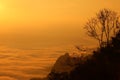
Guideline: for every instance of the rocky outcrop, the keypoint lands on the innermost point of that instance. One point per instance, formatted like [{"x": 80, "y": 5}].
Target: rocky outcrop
[
  {"x": 104, "y": 64},
  {"x": 63, "y": 66}
]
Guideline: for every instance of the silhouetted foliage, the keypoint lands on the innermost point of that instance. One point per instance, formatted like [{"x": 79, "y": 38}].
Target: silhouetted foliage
[
  {"x": 103, "y": 26},
  {"x": 103, "y": 65}
]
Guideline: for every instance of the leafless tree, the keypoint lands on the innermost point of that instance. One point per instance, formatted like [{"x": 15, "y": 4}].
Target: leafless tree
[{"x": 103, "y": 26}]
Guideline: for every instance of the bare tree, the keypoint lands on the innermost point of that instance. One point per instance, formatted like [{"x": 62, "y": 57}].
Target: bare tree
[{"x": 103, "y": 26}]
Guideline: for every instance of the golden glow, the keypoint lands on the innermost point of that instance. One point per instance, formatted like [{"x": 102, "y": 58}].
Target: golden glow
[
  {"x": 34, "y": 33},
  {"x": 1, "y": 7},
  {"x": 2, "y": 11},
  {"x": 47, "y": 21}
]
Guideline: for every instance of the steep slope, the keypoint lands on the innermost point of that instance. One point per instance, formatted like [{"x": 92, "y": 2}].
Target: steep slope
[{"x": 104, "y": 64}]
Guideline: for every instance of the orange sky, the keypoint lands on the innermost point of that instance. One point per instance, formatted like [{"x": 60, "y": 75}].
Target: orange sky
[{"x": 47, "y": 22}]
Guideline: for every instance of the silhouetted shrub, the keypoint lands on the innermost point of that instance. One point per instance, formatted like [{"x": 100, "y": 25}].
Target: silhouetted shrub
[{"x": 103, "y": 65}]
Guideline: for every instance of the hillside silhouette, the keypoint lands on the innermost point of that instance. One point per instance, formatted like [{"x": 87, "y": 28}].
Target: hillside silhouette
[{"x": 104, "y": 64}]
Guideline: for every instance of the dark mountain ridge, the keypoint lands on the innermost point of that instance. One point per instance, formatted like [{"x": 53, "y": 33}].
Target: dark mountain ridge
[{"x": 103, "y": 64}]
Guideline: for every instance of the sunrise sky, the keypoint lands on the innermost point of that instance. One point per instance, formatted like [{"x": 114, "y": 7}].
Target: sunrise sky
[{"x": 36, "y": 23}]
